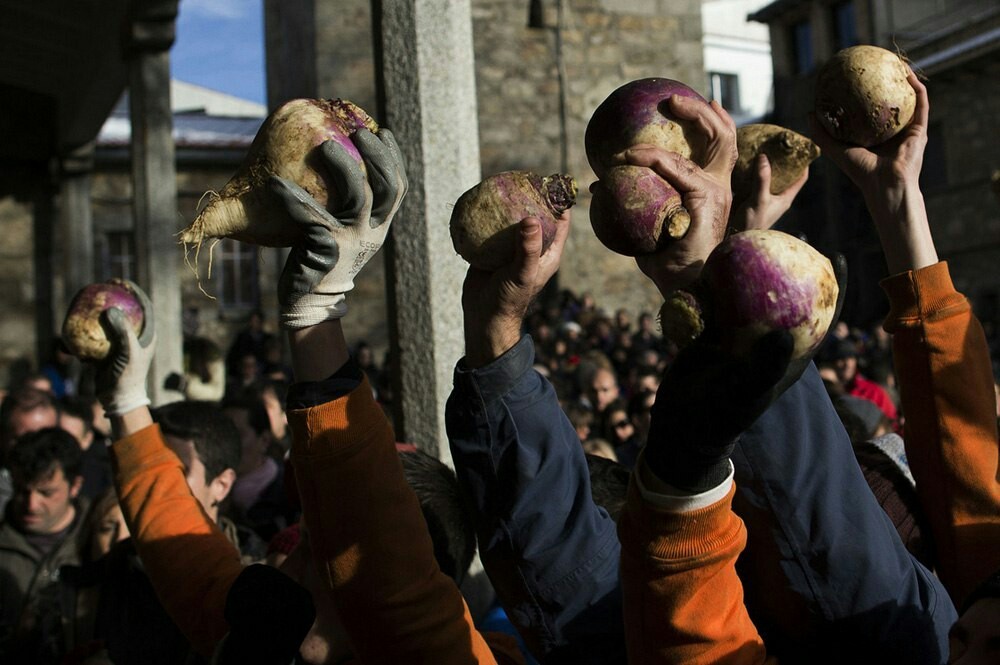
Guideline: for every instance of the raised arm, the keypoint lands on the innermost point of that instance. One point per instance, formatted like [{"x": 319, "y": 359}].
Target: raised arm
[
  {"x": 811, "y": 579},
  {"x": 190, "y": 563},
  {"x": 550, "y": 552},
  {"x": 366, "y": 530},
  {"x": 942, "y": 360}
]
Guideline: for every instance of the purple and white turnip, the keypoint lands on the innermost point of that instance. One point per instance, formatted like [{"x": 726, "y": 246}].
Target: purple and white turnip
[
  {"x": 634, "y": 210},
  {"x": 485, "y": 219},
  {"x": 752, "y": 284},
  {"x": 83, "y": 331},
  {"x": 285, "y": 146},
  {"x": 863, "y": 96}
]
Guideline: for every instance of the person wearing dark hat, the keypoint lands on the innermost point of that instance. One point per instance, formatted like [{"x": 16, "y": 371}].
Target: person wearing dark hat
[{"x": 840, "y": 357}]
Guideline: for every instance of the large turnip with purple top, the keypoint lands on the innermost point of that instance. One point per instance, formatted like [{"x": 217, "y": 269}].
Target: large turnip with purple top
[
  {"x": 285, "y": 146},
  {"x": 755, "y": 283},
  {"x": 83, "y": 331},
  {"x": 485, "y": 219},
  {"x": 634, "y": 210}
]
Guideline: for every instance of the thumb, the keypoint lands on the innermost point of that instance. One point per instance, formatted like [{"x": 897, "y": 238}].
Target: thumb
[
  {"x": 763, "y": 176},
  {"x": 529, "y": 249},
  {"x": 116, "y": 327}
]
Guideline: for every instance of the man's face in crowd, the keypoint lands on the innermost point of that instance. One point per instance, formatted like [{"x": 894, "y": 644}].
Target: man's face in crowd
[
  {"x": 31, "y": 420},
  {"x": 253, "y": 445},
  {"x": 846, "y": 368},
  {"x": 44, "y": 505},
  {"x": 209, "y": 493},
  {"x": 975, "y": 637},
  {"x": 604, "y": 389},
  {"x": 78, "y": 429}
]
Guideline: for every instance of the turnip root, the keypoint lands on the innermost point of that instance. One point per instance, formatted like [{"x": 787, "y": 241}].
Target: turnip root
[
  {"x": 83, "y": 331},
  {"x": 788, "y": 152},
  {"x": 863, "y": 97},
  {"x": 485, "y": 219},
  {"x": 633, "y": 206},
  {"x": 755, "y": 283},
  {"x": 285, "y": 146}
]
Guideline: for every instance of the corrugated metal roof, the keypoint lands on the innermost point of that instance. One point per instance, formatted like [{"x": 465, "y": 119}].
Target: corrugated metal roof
[{"x": 191, "y": 130}]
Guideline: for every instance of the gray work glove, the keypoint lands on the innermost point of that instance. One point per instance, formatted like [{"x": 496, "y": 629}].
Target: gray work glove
[
  {"x": 320, "y": 270},
  {"x": 121, "y": 377}
]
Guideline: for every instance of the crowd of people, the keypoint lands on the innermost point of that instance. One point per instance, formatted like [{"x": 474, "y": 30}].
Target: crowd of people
[{"x": 630, "y": 501}]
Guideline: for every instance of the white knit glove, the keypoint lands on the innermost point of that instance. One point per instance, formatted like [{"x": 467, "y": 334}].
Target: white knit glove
[
  {"x": 320, "y": 270},
  {"x": 121, "y": 377}
]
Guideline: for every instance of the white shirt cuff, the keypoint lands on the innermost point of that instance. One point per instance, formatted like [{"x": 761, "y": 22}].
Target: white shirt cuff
[{"x": 679, "y": 501}]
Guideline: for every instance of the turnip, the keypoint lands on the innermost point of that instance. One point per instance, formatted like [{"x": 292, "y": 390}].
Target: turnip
[
  {"x": 863, "y": 97},
  {"x": 485, "y": 218},
  {"x": 633, "y": 207},
  {"x": 788, "y": 152},
  {"x": 754, "y": 283},
  {"x": 630, "y": 207},
  {"x": 83, "y": 331},
  {"x": 285, "y": 146}
]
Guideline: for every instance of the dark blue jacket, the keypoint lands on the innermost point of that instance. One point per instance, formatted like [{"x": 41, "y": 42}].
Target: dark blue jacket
[{"x": 826, "y": 577}]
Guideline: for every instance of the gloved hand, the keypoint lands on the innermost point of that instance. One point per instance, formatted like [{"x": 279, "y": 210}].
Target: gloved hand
[
  {"x": 320, "y": 270},
  {"x": 121, "y": 377}
]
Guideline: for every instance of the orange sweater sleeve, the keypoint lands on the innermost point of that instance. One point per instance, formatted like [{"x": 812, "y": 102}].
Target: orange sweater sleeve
[
  {"x": 190, "y": 563},
  {"x": 945, "y": 380},
  {"x": 370, "y": 540},
  {"x": 683, "y": 602}
]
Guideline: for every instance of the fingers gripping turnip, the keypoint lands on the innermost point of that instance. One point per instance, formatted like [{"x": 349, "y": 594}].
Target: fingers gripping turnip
[
  {"x": 863, "y": 97},
  {"x": 286, "y": 146},
  {"x": 755, "y": 283},
  {"x": 789, "y": 154},
  {"x": 634, "y": 209},
  {"x": 484, "y": 222},
  {"x": 84, "y": 329}
]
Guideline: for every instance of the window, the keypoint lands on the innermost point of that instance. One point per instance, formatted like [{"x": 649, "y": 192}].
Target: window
[
  {"x": 845, "y": 32},
  {"x": 802, "y": 49},
  {"x": 115, "y": 255},
  {"x": 725, "y": 89},
  {"x": 237, "y": 266}
]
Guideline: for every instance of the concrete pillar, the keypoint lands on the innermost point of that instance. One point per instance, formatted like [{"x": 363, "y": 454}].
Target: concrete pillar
[
  {"x": 77, "y": 220},
  {"x": 154, "y": 183},
  {"x": 427, "y": 94},
  {"x": 290, "y": 39}
]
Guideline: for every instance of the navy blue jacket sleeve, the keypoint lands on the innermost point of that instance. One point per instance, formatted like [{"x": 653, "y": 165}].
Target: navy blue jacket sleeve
[
  {"x": 826, "y": 577},
  {"x": 550, "y": 552}
]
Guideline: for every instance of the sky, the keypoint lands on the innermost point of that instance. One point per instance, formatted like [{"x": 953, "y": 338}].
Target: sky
[{"x": 220, "y": 45}]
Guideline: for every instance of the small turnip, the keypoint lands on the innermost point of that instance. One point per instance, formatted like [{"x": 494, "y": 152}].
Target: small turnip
[
  {"x": 755, "y": 283},
  {"x": 634, "y": 209},
  {"x": 631, "y": 205},
  {"x": 788, "y": 152},
  {"x": 285, "y": 146},
  {"x": 83, "y": 331},
  {"x": 485, "y": 219},
  {"x": 863, "y": 97}
]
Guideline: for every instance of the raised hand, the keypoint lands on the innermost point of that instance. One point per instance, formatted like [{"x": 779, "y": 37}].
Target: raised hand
[
  {"x": 121, "y": 377},
  {"x": 705, "y": 191},
  {"x": 336, "y": 246},
  {"x": 763, "y": 209},
  {"x": 494, "y": 303},
  {"x": 888, "y": 176}
]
